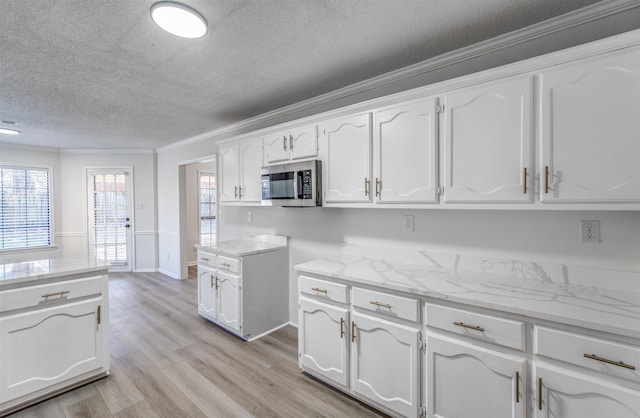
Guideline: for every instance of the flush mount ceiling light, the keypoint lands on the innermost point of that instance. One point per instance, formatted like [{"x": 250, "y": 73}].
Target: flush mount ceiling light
[
  {"x": 7, "y": 131},
  {"x": 179, "y": 19}
]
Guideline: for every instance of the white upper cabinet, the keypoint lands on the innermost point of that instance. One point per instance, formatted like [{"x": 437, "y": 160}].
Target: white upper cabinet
[
  {"x": 346, "y": 145},
  {"x": 488, "y": 143},
  {"x": 240, "y": 166},
  {"x": 590, "y": 130},
  {"x": 405, "y": 152},
  {"x": 293, "y": 144}
]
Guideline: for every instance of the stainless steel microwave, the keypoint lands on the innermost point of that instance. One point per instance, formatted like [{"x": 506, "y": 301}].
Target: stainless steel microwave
[{"x": 294, "y": 184}]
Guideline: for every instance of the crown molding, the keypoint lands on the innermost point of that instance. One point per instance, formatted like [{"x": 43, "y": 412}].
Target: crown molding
[
  {"x": 105, "y": 151},
  {"x": 559, "y": 23},
  {"x": 30, "y": 148}
]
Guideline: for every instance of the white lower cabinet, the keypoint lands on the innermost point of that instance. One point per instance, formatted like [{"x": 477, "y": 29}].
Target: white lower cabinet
[
  {"x": 229, "y": 300},
  {"x": 323, "y": 340},
  {"x": 465, "y": 381},
  {"x": 561, "y": 393},
  {"x": 385, "y": 363},
  {"x": 207, "y": 295}
]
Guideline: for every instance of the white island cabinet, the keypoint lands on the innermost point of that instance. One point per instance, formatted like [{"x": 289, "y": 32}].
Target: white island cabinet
[
  {"x": 243, "y": 285},
  {"x": 412, "y": 334},
  {"x": 53, "y": 328}
]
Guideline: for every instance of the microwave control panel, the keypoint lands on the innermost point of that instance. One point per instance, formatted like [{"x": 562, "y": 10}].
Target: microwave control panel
[{"x": 307, "y": 185}]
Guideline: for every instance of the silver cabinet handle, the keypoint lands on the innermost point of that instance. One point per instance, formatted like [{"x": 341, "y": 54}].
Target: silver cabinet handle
[
  {"x": 284, "y": 142},
  {"x": 317, "y": 289},
  {"x": 204, "y": 259},
  {"x": 366, "y": 186},
  {"x": 225, "y": 264},
  {"x": 473, "y": 327},
  {"x": 517, "y": 387},
  {"x": 539, "y": 394},
  {"x": 546, "y": 179},
  {"x": 524, "y": 189},
  {"x": 291, "y": 142},
  {"x": 604, "y": 360},
  {"x": 49, "y": 295},
  {"x": 378, "y": 187},
  {"x": 381, "y": 305}
]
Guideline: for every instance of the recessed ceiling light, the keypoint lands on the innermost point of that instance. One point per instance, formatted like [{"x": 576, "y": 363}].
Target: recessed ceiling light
[
  {"x": 7, "y": 131},
  {"x": 179, "y": 19}
]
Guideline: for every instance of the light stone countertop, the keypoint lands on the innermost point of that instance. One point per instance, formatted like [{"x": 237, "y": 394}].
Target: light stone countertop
[
  {"x": 565, "y": 301},
  {"x": 247, "y": 246},
  {"x": 33, "y": 272}
]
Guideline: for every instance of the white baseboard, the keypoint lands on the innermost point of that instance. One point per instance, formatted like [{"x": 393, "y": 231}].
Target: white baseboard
[
  {"x": 152, "y": 270},
  {"x": 169, "y": 273}
]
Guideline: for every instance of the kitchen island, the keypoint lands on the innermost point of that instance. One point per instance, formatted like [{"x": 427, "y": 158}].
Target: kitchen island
[
  {"x": 413, "y": 332},
  {"x": 53, "y": 328}
]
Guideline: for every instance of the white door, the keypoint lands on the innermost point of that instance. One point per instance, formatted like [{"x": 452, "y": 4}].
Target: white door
[
  {"x": 567, "y": 395},
  {"x": 347, "y": 159},
  {"x": 207, "y": 293},
  {"x": 229, "y": 173},
  {"x": 591, "y": 130},
  {"x": 251, "y": 155},
  {"x": 467, "y": 382},
  {"x": 488, "y": 143},
  {"x": 385, "y": 363},
  {"x": 109, "y": 217},
  {"x": 48, "y": 346},
  {"x": 276, "y": 147},
  {"x": 303, "y": 142},
  {"x": 405, "y": 153},
  {"x": 323, "y": 340},
  {"x": 229, "y": 305}
]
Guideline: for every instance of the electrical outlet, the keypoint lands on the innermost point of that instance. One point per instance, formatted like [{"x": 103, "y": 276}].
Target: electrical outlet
[
  {"x": 590, "y": 231},
  {"x": 249, "y": 216},
  {"x": 407, "y": 223}
]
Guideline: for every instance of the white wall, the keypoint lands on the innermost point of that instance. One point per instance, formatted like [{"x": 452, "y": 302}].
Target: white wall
[
  {"x": 545, "y": 236},
  {"x": 192, "y": 210},
  {"x": 73, "y": 206}
]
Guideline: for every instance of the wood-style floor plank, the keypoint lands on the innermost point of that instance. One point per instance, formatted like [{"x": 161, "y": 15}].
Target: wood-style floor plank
[{"x": 167, "y": 361}]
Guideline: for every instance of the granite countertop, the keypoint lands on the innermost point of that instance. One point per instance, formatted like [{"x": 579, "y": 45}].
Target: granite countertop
[
  {"x": 26, "y": 272},
  {"x": 540, "y": 297},
  {"x": 242, "y": 247}
]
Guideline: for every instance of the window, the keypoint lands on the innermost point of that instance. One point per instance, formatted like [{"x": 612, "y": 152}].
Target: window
[
  {"x": 25, "y": 220},
  {"x": 207, "y": 208}
]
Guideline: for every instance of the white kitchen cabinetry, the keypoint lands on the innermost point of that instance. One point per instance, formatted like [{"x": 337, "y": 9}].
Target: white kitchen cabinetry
[
  {"x": 53, "y": 330},
  {"x": 346, "y": 151},
  {"x": 488, "y": 143},
  {"x": 590, "y": 130},
  {"x": 323, "y": 341},
  {"x": 561, "y": 393},
  {"x": 466, "y": 381},
  {"x": 292, "y": 144},
  {"x": 404, "y": 152},
  {"x": 240, "y": 166},
  {"x": 245, "y": 294},
  {"x": 385, "y": 363}
]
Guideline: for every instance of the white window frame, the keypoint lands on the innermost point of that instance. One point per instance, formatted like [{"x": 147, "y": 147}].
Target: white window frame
[
  {"x": 52, "y": 233},
  {"x": 214, "y": 175}
]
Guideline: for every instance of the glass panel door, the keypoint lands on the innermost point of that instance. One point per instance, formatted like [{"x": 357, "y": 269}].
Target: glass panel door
[
  {"x": 109, "y": 217},
  {"x": 208, "y": 209}
]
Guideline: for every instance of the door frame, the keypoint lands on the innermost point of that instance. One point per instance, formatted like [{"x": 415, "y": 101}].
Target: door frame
[{"x": 131, "y": 244}]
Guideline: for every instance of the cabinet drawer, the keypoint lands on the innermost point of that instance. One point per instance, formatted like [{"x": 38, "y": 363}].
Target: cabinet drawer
[
  {"x": 593, "y": 353},
  {"x": 50, "y": 293},
  {"x": 389, "y": 305},
  {"x": 322, "y": 289},
  {"x": 505, "y": 332},
  {"x": 229, "y": 264},
  {"x": 206, "y": 259}
]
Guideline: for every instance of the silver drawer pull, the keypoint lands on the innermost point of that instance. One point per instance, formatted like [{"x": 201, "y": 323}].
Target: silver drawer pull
[
  {"x": 317, "y": 289},
  {"x": 225, "y": 264},
  {"x": 473, "y": 327},
  {"x": 49, "y": 295},
  {"x": 204, "y": 259},
  {"x": 615, "y": 363},
  {"x": 382, "y": 305}
]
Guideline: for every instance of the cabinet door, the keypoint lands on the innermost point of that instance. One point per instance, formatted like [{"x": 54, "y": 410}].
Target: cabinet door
[
  {"x": 465, "y": 381},
  {"x": 591, "y": 130},
  {"x": 251, "y": 154},
  {"x": 568, "y": 395},
  {"x": 229, "y": 173},
  {"x": 41, "y": 348},
  {"x": 276, "y": 147},
  {"x": 385, "y": 363},
  {"x": 487, "y": 143},
  {"x": 303, "y": 142},
  {"x": 229, "y": 305},
  {"x": 323, "y": 340},
  {"x": 405, "y": 153},
  {"x": 347, "y": 159},
  {"x": 207, "y": 292}
]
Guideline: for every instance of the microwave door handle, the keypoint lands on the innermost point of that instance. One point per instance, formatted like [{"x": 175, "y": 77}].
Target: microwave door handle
[{"x": 299, "y": 183}]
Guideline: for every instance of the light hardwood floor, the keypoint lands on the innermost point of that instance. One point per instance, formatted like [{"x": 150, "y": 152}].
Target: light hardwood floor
[{"x": 166, "y": 361}]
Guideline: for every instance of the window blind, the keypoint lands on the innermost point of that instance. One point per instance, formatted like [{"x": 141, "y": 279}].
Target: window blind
[{"x": 25, "y": 220}]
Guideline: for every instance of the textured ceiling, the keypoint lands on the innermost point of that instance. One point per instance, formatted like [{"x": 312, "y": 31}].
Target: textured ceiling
[{"x": 100, "y": 74}]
